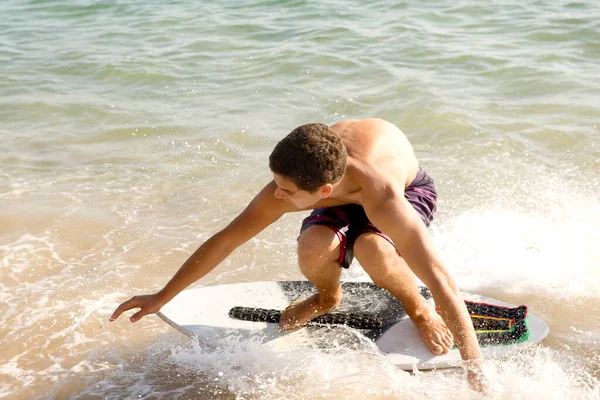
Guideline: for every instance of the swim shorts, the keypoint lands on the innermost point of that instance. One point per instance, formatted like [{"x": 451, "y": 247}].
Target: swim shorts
[{"x": 350, "y": 221}]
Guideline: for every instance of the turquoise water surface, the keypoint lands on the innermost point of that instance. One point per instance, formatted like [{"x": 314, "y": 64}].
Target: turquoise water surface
[{"x": 133, "y": 130}]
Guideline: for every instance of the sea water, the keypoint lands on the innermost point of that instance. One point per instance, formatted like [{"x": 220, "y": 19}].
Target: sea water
[{"x": 133, "y": 130}]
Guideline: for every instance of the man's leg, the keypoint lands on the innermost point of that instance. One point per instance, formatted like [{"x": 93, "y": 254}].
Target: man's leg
[
  {"x": 388, "y": 270},
  {"x": 318, "y": 254}
]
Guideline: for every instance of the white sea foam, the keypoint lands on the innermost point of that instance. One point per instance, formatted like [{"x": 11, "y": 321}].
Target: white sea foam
[
  {"x": 249, "y": 371},
  {"x": 550, "y": 249}
]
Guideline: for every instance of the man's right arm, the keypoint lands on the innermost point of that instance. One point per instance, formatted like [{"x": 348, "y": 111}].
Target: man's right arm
[{"x": 262, "y": 211}]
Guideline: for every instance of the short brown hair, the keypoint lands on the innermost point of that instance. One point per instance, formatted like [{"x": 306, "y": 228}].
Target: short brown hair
[{"x": 312, "y": 155}]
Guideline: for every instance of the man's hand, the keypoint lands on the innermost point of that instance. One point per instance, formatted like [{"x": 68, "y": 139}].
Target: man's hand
[
  {"x": 478, "y": 375},
  {"x": 148, "y": 304}
]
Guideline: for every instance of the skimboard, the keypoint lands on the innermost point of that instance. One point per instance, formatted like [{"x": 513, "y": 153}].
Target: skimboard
[{"x": 250, "y": 311}]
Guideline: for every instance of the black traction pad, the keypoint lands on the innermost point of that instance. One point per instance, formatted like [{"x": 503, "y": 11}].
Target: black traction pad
[
  {"x": 496, "y": 325},
  {"x": 358, "y": 321},
  {"x": 493, "y": 324}
]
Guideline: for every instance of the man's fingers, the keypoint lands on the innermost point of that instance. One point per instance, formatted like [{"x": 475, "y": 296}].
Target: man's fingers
[
  {"x": 147, "y": 304},
  {"x": 136, "y": 317},
  {"x": 128, "y": 305}
]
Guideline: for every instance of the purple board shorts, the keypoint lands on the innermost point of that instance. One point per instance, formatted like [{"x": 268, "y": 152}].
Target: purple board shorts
[{"x": 350, "y": 221}]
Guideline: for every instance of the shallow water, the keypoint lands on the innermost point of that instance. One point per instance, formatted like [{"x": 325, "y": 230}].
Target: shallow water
[{"x": 133, "y": 131}]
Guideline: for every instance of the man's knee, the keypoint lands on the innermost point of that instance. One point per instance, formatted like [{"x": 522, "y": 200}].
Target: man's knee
[
  {"x": 317, "y": 244},
  {"x": 370, "y": 245},
  {"x": 377, "y": 256}
]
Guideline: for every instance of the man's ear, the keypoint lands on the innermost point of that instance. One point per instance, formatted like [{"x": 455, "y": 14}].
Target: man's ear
[{"x": 325, "y": 190}]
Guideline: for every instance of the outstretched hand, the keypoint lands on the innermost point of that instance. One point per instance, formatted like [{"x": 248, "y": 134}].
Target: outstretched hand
[
  {"x": 482, "y": 376},
  {"x": 148, "y": 304}
]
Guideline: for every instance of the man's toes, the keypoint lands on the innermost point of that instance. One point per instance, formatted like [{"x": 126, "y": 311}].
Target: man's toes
[
  {"x": 288, "y": 325},
  {"x": 441, "y": 346},
  {"x": 448, "y": 342},
  {"x": 436, "y": 349}
]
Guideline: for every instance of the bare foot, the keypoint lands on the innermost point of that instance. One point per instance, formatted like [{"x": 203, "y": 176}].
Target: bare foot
[
  {"x": 434, "y": 332},
  {"x": 302, "y": 311}
]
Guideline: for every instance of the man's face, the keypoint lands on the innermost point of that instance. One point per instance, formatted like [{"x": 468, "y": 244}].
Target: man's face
[{"x": 288, "y": 191}]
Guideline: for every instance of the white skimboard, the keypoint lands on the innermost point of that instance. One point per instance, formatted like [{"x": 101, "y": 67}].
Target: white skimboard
[{"x": 241, "y": 312}]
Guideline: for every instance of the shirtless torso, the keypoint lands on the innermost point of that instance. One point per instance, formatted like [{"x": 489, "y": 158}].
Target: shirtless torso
[{"x": 379, "y": 156}]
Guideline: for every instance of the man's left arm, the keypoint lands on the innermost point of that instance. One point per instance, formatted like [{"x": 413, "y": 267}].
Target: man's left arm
[{"x": 389, "y": 211}]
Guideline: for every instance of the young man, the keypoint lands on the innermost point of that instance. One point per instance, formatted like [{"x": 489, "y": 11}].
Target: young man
[{"x": 370, "y": 200}]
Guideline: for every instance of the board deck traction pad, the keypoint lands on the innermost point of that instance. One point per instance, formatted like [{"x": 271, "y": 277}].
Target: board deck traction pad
[{"x": 494, "y": 325}]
